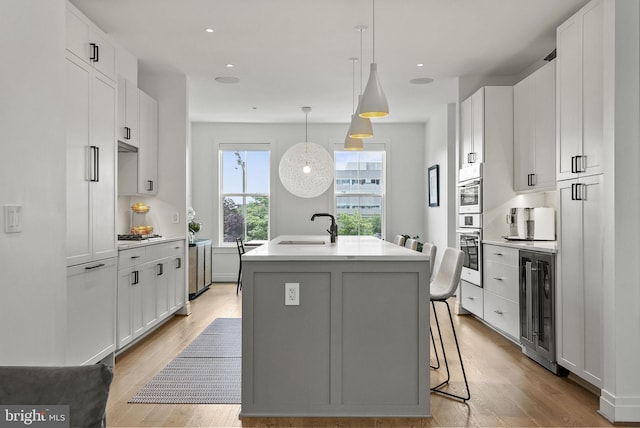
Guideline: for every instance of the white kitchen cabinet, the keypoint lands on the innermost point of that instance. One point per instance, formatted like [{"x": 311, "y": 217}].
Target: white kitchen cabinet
[
  {"x": 148, "y": 152},
  {"x": 472, "y": 129},
  {"x": 501, "y": 289},
  {"x": 534, "y": 144},
  {"x": 128, "y": 112},
  {"x": 580, "y": 90},
  {"x": 88, "y": 43},
  {"x": 580, "y": 287},
  {"x": 91, "y": 312},
  {"x": 90, "y": 106},
  {"x": 138, "y": 170},
  {"x": 471, "y": 298},
  {"x": 151, "y": 287}
]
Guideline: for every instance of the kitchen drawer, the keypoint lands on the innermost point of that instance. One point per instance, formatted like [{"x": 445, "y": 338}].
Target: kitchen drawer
[
  {"x": 502, "y": 314},
  {"x": 176, "y": 248},
  {"x": 131, "y": 257},
  {"x": 159, "y": 251},
  {"x": 471, "y": 298},
  {"x": 504, "y": 255},
  {"x": 501, "y": 279}
]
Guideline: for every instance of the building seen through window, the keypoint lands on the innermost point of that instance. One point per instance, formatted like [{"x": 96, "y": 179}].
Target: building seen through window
[{"x": 359, "y": 192}]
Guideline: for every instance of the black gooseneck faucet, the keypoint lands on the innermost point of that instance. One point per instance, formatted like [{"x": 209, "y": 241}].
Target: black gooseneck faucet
[{"x": 333, "y": 229}]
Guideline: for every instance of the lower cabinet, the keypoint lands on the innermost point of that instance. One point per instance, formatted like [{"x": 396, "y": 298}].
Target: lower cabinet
[
  {"x": 151, "y": 287},
  {"x": 472, "y": 298},
  {"x": 501, "y": 290},
  {"x": 91, "y": 311}
]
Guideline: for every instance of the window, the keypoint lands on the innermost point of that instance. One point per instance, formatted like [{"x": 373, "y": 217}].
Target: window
[
  {"x": 244, "y": 180},
  {"x": 359, "y": 192}
]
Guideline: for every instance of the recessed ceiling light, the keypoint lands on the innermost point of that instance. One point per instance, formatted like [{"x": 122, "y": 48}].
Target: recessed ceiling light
[
  {"x": 209, "y": 30},
  {"x": 421, "y": 80},
  {"x": 229, "y": 65},
  {"x": 227, "y": 79},
  {"x": 420, "y": 64}
]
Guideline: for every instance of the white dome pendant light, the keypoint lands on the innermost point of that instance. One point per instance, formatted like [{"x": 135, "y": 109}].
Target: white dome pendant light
[
  {"x": 360, "y": 126},
  {"x": 373, "y": 102},
  {"x": 306, "y": 169},
  {"x": 349, "y": 142}
]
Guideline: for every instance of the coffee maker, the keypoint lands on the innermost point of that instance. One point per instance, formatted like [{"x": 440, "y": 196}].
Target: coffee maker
[{"x": 531, "y": 224}]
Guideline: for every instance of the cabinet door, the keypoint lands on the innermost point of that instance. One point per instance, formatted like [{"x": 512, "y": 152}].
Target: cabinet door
[
  {"x": 580, "y": 277},
  {"x": 544, "y": 153},
  {"x": 149, "y": 314},
  {"x": 593, "y": 237},
  {"x": 569, "y": 96},
  {"x": 466, "y": 133},
  {"x": 580, "y": 86},
  {"x": 207, "y": 264},
  {"x": 91, "y": 311},
  {"x": 477, "y": 115},
  {"x": 148, "y": 153},
  {"x": 103, "y": 54},
  {"x": 523, "y": 133},
  {"x": 77, "y": 106},
  {"x": 570, "y": 275},
  {"x": 103, "y": 186},
  {"x": 128, "y": 279},
  {"x": 179, "y": 284},
  {"x": 162, "y": 278},
  {"x": 593, "y": 87},
  {"x": 128, "y": 112}
]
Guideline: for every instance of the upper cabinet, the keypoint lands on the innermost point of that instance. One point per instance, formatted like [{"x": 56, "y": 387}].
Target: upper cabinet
[
  {"x": 472, "y": 129},
  {"x": 89, "y": 43},
  {"x": 138, "y": 169},
  {"x": 534, "y": 132},
  {"x": 580, "y": 89},
  {"x": 128, "y": 112},
  {"x": 148, "y": 152}
]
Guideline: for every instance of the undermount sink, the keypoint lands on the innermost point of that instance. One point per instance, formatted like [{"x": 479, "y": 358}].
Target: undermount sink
[{"x": 307, "y": 242}]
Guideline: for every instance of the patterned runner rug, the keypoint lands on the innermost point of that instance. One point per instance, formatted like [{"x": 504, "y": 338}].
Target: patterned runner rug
[{"x": 208, "y": 371}]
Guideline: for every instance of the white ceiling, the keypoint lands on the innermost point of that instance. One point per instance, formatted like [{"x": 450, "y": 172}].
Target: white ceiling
[{"x": 293, "y": 53}]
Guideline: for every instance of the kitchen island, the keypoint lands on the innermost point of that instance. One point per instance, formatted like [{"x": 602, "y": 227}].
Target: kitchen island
[{"x": 357, "y": 341}]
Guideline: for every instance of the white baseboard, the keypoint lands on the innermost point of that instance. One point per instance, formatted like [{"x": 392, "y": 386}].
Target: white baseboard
[{"x": 619, "y": 409}]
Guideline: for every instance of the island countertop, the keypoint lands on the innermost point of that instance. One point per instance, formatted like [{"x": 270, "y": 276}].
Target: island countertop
[{"x": 307, "y": 247}]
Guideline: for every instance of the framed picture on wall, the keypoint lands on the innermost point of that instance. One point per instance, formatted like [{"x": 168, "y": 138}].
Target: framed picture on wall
[{"x": 433, "y": 179}]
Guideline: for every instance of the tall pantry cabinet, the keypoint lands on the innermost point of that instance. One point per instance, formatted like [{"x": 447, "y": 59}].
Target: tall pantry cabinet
[
  {"x": 91, "y": 94},
  {"x": 579, "y": 148}
]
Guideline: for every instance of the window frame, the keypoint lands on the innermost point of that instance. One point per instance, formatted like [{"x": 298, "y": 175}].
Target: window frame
[
  {"x": 368, "y": 147},
  {"x": 241, "y": 147}
]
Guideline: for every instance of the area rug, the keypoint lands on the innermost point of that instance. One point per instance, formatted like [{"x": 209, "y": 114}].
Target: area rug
[{"x": 207, "y": 371}]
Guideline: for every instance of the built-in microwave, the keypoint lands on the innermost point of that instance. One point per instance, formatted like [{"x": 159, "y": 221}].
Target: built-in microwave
[{"x": 470, "y": 197}]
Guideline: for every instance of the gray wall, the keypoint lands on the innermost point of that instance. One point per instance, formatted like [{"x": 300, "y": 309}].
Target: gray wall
[{"x": 406, "y": 179}]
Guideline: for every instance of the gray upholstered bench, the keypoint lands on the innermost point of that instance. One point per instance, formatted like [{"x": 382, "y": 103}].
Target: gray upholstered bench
[{"x": 84, "y": 389}]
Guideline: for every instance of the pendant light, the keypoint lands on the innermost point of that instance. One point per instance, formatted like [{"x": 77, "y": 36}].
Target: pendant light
[
  {"x": 360, "y": 126},
  {"x": 373, "y": 102},
  {"x": 306, "y": 169},
  {"x": 349, "y": 142}
]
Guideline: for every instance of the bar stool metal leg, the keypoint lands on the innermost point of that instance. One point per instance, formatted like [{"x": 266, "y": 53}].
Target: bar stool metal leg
[{"x": 444, "y": 356}]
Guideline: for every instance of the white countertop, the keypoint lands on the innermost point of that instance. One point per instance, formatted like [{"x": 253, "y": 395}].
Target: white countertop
[
  {"x": 125, "y": 245},
  {"x": 542, "y": 246},
  {"x": 365, "y": 248}
]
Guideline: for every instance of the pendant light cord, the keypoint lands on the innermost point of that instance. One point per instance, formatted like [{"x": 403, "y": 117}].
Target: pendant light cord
[
  {"x": 361, "y": 30},
  {"x": 374, "y": 30}
]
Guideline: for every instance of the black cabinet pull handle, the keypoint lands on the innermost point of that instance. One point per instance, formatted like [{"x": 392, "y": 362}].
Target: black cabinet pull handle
[
  {"x": 573, "y": 164},
  {"x": 97, "y": 55},
  {"x": 95, "y": 160},
  {"x": 178, "y": 263},
  {"x": 159, "y": 269},
  {"x": 135, "y": 257},
  {"x": 135, "y": 277},
  {"x": 531, "y": 179},
  {"x": 94, "y": 266},
  {"x": 573, "y": 192},
  {"x": 149, "y": 185},
  {"x": 92, "y": 54}
]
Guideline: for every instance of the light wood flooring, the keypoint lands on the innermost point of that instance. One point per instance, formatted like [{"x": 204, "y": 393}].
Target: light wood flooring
[{"x": 507, "y": 388}]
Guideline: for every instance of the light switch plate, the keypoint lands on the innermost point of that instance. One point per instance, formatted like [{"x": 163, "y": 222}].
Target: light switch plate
[{"x": 13, "y": 218}]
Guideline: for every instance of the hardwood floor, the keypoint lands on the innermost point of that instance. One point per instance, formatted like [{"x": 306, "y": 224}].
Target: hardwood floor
[{"x": 507, "y": 388}]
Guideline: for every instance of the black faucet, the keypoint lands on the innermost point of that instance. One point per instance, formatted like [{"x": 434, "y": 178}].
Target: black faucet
[{"x": 333, "y": 229}]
